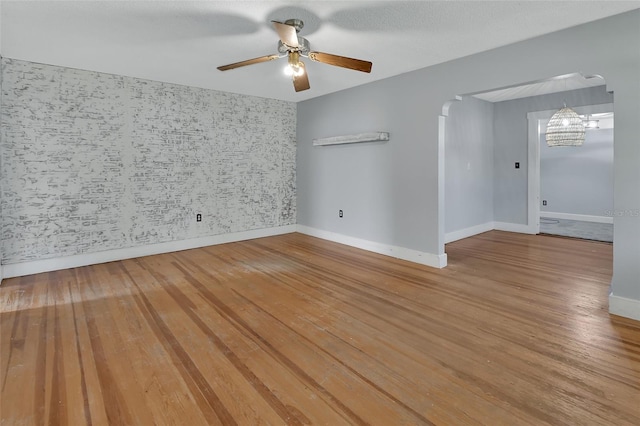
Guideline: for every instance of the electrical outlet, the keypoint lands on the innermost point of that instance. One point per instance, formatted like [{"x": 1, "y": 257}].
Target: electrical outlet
[
  {"x": 340, "y": 214},
  {"x": 199, "y": 217},
  {"x": 544, "y": 202}
]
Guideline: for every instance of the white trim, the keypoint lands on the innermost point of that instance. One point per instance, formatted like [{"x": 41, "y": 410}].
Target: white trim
[
  {"x": 441, "y": 177},
  {"x": 46, "y": 265},
  {"x": 581, "y": 217},
  {"x": 429, "y": 259},
  {"x": 513, "y": 227},
  {"x": 468, "y": 232},
  {"x": 442, "y": 127},
  {"x": 624, "y": 307},
  {"x": 533, "y": 169}
]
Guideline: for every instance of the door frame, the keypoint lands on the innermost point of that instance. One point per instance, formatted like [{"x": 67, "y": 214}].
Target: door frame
[{"x": 534, "y": 119}]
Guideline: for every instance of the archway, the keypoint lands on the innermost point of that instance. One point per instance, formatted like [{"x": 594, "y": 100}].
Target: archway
[{"x": 514, "y": 161}]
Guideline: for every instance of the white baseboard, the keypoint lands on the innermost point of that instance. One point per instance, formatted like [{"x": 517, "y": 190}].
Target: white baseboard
[
  {"x": 46, "y": 265},
  {"x": 624, "y": 307},
  {"x": 582, "y": 217},
  {"x": 512, "y": 227},
  {"x": 429, "y": 259},
  {"x": 489, "y": 226},
  {"x": 468, "y": 232}
]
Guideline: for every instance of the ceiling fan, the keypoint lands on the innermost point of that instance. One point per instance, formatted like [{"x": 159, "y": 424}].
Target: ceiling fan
[{"x": 294, "y": 46}]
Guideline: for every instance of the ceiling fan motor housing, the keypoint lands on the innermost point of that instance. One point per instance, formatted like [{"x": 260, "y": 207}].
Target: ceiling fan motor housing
[
  {"x": 295, "y": 23},
  {"x": 303, "y": 47}
]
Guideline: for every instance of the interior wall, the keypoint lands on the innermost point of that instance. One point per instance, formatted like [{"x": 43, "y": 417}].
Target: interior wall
[
  {"x": 0, "y": 28},
  {"x": 1, "y": 271},
  {"x": 93, "y": 162},
  {"x": 578, "y": 180},
  {"x": 372, "y": 183},
  {"x": 469, "y": 166},
  {"x": 511, "y": 144},
  {"x": 410, "y": 106}
]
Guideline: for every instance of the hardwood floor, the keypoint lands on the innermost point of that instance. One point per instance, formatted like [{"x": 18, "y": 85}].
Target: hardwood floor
[{"x": 296, "y": 330}]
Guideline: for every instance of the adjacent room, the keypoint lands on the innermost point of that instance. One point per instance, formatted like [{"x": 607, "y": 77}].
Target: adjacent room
[
  {"x": 501, "y": 174},
  {"x": 356, "y": 212},
  {"x": 576, "y": 185}
]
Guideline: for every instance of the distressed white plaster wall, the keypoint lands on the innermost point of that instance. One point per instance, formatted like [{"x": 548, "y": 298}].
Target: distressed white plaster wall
[{"x": 94, "y": 162}]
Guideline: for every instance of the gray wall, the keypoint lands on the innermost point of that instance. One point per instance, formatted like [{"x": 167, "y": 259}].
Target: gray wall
[
  {"x": 402, "y": 176},
  {"x": 93, "y": 162},
  {"x": 1, "y": 272},
  {"x": 373, "y": 183},
  {"x": 511, "y": 142},
  {"x": 578, "y": 180},
  {"x": 0, "y": 29},
  {"x": 468, "y": 168}
]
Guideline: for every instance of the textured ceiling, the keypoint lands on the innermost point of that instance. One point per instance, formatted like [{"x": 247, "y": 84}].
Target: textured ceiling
[{"x": 183, "y": 41}]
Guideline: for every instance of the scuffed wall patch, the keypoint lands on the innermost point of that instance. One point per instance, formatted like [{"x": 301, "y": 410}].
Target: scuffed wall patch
[{"x": 93, "y": 162}]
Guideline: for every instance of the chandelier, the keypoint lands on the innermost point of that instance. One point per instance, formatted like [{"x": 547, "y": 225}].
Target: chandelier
[{"x": 565, "y": 128}]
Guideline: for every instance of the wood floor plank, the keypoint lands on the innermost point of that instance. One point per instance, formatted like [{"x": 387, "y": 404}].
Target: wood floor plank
[
  {"x": 353, "y": 339},
  {"x": 93, "y": 409},
  {"x": 213, "y": 362},
  {"x": 296, "y": 330},
  {"x": 259, "y": 366},
  {"x": 252, "y": 326},
  {"x": 417, "y": 326},
  {"x": 155, "y": 376}
]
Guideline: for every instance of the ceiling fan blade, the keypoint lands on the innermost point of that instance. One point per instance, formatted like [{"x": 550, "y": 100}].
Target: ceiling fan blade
[
  {"x": 248, "y": 62},
  {"x": 288, "y": 34},
  {"x": 301, "y": 82},
  {"x": 341, "y": 61}
]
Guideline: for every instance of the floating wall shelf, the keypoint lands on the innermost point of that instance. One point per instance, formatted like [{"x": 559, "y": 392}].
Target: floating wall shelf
[{"x": 360, "y": 137}]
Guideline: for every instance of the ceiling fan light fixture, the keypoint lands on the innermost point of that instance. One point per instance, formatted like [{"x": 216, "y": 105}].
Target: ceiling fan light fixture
[
  {"x": 293, "y": 70},
  {"x": 294, "y": 67}
]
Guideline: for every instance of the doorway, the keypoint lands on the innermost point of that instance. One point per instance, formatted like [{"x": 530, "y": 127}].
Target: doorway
[
  {"x": 512, "y": 184},
  {"x": 571, "y": 188}
]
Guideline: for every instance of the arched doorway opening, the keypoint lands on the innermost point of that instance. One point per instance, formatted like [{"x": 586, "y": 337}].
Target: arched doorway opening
[{"x": 491, "y": 161}]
